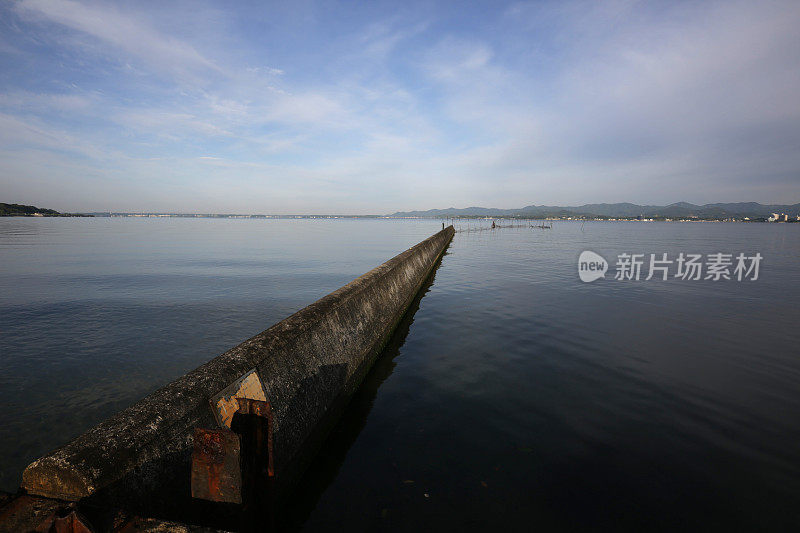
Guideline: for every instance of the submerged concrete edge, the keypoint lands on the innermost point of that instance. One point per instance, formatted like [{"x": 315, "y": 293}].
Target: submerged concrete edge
[{"x": 308, "y": 363}]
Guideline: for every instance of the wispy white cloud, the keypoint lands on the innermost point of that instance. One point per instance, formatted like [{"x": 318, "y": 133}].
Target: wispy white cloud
[
  {"x": 561, "y": 102},
  {"x": 41, "y": 102},
  {"x": 267, "y": 70},
  {"x": 169, "y": 124},
  {"x": 33, "y": 132},
  {"x": 111, "y": 26},
  {"x": 382, "y": 38},
  {"x": 674, "y": 105}
]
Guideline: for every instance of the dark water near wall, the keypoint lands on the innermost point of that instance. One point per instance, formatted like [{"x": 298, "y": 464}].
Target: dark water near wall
[{"x": 516, "y": 396}]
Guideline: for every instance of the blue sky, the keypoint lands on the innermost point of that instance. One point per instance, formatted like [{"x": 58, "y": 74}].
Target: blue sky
[{"x": 373, "y": 107}]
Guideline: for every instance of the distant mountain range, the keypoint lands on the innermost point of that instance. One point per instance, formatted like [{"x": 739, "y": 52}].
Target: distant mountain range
[
  {"x": 621, "y": 210},
  {"x": 625, "y": 210}
]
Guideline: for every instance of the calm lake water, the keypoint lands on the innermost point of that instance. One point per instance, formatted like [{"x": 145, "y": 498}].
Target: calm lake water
[{"x": 516, "y": 396}]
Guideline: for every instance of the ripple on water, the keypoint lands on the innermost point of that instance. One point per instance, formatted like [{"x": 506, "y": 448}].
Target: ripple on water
[{"x": 518, "y": 394}]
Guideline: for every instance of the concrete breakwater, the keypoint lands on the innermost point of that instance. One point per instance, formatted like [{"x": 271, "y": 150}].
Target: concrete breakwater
[{"x": 307, "y": 366}]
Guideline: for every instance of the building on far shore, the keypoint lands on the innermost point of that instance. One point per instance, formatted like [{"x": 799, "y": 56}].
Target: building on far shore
[{"x": 783, "y": 217}]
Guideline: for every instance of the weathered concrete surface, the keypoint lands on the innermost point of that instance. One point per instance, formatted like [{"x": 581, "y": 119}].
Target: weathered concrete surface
[{"x": 309, "y": 364}]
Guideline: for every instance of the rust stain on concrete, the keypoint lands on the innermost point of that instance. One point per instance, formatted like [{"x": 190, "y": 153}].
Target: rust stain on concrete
[
  {"x": 225, "y": 404},
  {"x": 216, "y": 473}
]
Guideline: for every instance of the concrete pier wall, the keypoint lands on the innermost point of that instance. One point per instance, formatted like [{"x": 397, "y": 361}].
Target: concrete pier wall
[{"x": 308, "y": 366}]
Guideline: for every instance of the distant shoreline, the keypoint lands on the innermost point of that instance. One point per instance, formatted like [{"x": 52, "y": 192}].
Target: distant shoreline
[
  {"x": 463, "y": 218},
  {"x": 677, "y": 212},
  {"x": 42, "y": 215},
  {"x": 685, "y": 211},
  {"x": 20, "y": 210}
]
